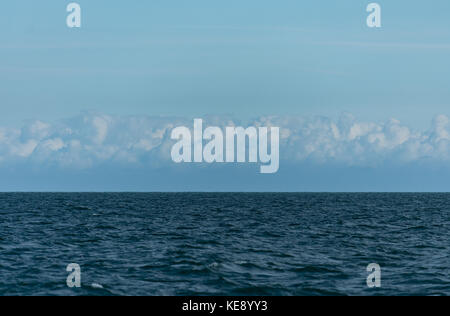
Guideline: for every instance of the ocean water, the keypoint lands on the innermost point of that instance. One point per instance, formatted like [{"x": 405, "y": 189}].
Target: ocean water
[{"x": 224, "y": 244}]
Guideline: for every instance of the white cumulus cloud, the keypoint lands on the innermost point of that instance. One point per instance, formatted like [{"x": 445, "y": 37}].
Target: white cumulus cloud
[{"x": 91, "y": 139}]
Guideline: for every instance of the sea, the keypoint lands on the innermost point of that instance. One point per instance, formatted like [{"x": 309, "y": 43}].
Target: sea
[{"x": 237, "y": 244}]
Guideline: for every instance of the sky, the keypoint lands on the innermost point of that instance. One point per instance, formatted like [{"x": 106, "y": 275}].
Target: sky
[{"x": 135, "y": 68}]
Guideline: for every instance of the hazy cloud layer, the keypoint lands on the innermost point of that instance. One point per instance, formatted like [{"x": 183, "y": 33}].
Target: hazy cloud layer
[{"x": 91, "y": 140}]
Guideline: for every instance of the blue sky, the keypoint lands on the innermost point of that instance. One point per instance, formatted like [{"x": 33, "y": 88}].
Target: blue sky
[{"x": 242, "y": 59}]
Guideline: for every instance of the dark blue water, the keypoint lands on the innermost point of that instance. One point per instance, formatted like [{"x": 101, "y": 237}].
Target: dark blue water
[{"x": 225, "y": 244}]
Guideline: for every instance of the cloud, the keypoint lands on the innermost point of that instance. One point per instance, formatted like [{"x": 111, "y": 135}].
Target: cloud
[{"x": 91, "y": 140}]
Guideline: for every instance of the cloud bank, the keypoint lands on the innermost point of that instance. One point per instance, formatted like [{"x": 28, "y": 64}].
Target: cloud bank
[{"x": 91, "y": 140}]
